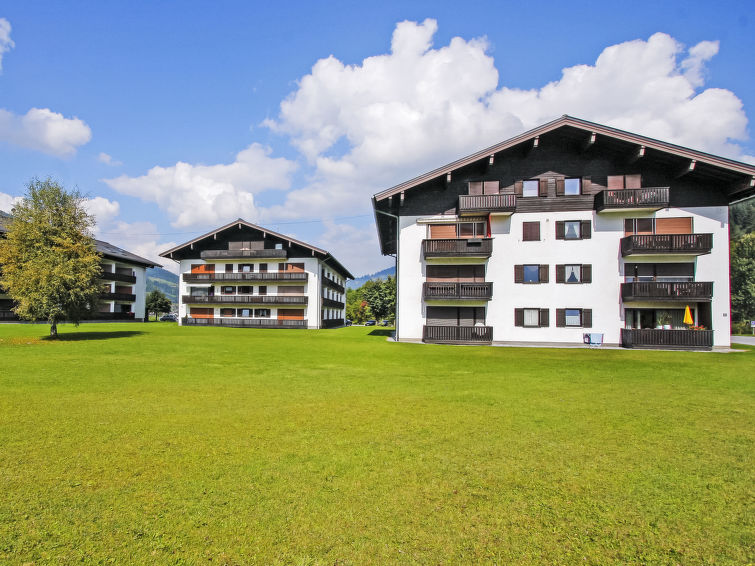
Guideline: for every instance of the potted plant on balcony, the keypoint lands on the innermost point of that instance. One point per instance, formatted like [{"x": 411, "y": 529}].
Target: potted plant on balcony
[{"x": 664, "y": 320}]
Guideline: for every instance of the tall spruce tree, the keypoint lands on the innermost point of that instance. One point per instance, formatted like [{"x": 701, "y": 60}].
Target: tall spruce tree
[{"x": 50, "y": 264}]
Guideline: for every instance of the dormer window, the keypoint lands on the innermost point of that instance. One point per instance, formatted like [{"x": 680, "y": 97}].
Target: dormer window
[
  {"x": 530, "y": 188},
  {"x": 572, "y": 186}
]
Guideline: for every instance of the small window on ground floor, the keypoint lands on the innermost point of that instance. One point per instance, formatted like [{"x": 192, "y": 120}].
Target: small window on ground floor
[
  {"x": 227, "y": 312},
  {"x": 262, "y": 313}
]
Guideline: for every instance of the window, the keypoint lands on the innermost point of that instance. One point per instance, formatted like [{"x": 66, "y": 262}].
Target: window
[
  {"x": 663, "y": 272},
  {"x": 263, "y": 268},
  {"x": 573, "y": 229},
  {"x": 262, "y": 289},
  {"x": 572, "y": 186},
  {"x": 531, "y": 231},
  {"x": 574, "y": 318},
  {"x": 530, "y": 188},
  {"x": 530, "y": 274},
  {"x": 229, "y": 268},
  {"x": 245, "y": 290},
  {"x": 227, "y": 290},
  {"x": 476, "y": 229},
  {"x": 574, "y": 273},
  {"x": 638, "y": 226},
  {"x": 262, "y": 313},
  {"x": 244, "y": 312},
  {"x": 531, "y": 318},
  {"x": 245, "y": 267},
  {"x": 227, "y": 312}
]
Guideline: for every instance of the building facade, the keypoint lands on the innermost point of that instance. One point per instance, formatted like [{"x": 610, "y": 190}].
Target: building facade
[
  {"x": 571, "y": 229},
  {"x": 243, "y": 275}
]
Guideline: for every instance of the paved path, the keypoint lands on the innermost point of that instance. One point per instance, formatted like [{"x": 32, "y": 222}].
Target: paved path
[{"x": 744, "y": 340}]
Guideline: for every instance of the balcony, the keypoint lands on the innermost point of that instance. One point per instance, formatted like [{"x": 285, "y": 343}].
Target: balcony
[
  {"x": 118, "y": 297},
  {"x": 451, "y": 291},
  {"x": 332, "y": 284},
  {"x": 264, "y": 277},
  {"x": 659, "y": 291},
  {"x": 667, "y": 339},
  {"x": 649, "y": 198},
  {"x": 115, "y": 316},
  {"x": 120, "y": 277},
  {"x": 332, "y": 323},
  {"x": 244, "y": 300},
  {"x": 682, "y": 244},
  {"x": 457, "y": 334},
  {"x": 244, "y": 322},
  {"x": 8, "y": 315},
  {"x": 244, "y": 254},
  {"x": 487, "y": 204},
  {"x": 457, "y": 247},
  {"x": 332, "y": 303}
]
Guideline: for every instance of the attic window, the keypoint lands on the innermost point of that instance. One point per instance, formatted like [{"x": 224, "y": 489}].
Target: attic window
[
  {"x": 530, "y": 188},
  {"x": 572, "y": 186}
]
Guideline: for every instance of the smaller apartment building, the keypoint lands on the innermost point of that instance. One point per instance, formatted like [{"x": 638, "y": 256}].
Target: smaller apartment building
[
  {"x": 573, "y": 228},
  {"x": 243, "y": 275}
]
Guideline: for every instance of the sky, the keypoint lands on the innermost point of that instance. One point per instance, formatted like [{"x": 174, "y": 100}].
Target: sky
[{"x": 175, "y": 118}]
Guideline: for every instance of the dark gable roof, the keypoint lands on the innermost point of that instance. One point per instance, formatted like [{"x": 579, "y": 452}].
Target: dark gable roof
[
  {"x": 119, "y": 254},
  {"x": 323, "y": 254},
  {"x": 726, "y": 166}
]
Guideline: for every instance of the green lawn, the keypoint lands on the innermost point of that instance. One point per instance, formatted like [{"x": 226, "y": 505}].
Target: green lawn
[{"x": 153, "y": 444}]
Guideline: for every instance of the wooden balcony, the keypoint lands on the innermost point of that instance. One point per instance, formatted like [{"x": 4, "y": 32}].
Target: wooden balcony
[
  {"x": 660, "y": 291},
  {"x": 244, "y": 254},
  {"x": 115, "y": 316},
  {"x": 332, "y": 323},
  {"x": 457, "y": 247},
  {"x": 120, "y": 277},
  {"x": 265, "y": 277},
  {"x": 452, "y": 291},
  {"x": 244, "y": 300},
  {"x": 667, "y": 339},
  {"x": 332, "y": 303},
  {"x": 487, "y": 204},
  {"x": 678, "y": 244},
  {"x": 244, "y": 322},
  {"x": 127, "y": 297},
  {"x": 332, "y": 284},
  {"x": 457, "y": 334},
  {"x": 8, "y": 315},
  {"x": 649, "y": 199}
]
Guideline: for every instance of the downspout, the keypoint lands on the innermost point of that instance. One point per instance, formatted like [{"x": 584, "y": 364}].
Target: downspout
[{"x": 396, "y": 260}]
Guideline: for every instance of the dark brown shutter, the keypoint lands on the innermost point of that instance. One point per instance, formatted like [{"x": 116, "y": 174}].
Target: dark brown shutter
[
  {"x": 559, "y": 229},
  {"x": 560, "y": 317},
  {"x": 586, "y": 273},
  {"x": 490, "y": 187},
  {"x": 531, "y": 231},
  {"x": 615, "y": 182},
  {"x": 543, "y": 187},
  {"x": 544, "y": 317},
  {"x": 633, "y": 181},
  {"x": 586, "y": 187},
  {"x": 586, "y": 318},
  {"x": 586, "y": 230},
  {"x": 518, "y": 317},
  {"x": 560, "y": 186},
  {"x": 518, "y": 274},
  {"x": 543, "y": 274},
  {"x": 518, "y": 188},
  {"x": 560, "y": 274},
  {"x": 475, "y": 187}
]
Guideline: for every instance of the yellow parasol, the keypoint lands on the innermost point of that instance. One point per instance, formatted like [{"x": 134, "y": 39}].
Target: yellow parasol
[{"x": 688, "y": 316}]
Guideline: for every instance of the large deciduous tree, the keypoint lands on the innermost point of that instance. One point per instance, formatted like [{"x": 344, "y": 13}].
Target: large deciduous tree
[
  {"x": 381, "y": 297},
  {"x": 157, "y": 303},
  {"x": 50, "y": 263},
  {"x": 743, "y": 278}
]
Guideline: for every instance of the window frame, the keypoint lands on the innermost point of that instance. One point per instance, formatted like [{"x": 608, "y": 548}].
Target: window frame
[
  {"x": 531, "y": 182},
  {"x": 537, "y": 273},
  {"x": 567, "y": 180}
]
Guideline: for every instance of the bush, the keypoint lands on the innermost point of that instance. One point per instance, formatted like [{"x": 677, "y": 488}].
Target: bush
[{"x": 741, "y": 327}]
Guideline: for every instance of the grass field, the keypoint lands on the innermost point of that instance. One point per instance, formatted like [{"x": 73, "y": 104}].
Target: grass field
[{"x": 153, "y": 444}]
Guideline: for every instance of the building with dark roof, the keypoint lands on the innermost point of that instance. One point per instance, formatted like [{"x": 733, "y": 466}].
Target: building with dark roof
[
  {"x": 246, "y": 276},
  {"x": 572, "y": 231}
]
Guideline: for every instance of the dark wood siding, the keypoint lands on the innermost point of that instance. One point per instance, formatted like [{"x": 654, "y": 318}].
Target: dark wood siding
[
  {"x": 531, "y": 231},
  {"x": 544, "y": 318}
]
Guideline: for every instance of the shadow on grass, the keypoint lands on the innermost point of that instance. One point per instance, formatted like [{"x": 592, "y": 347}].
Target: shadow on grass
[
  {"x": 381, "y": 332},
  {"x": 77, "y": 336}
]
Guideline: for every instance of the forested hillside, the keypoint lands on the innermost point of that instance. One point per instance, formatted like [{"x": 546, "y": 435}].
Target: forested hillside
[{"x": 163, "y": 280}]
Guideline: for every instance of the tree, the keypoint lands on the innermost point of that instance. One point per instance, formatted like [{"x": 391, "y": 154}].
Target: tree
[
  {"x": 743, "y": 278},
  {"x": 157, "y": 303},
  {"x": 49, "y": 259},
  {"x": 381, "y": 297}
]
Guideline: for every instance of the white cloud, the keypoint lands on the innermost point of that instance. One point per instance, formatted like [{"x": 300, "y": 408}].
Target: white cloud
[
  {"x": 210, "y": 194},
  {"x": 6, "y": 43},
  {"x": 108, "y": 159},
  {"x": 102, "y": 209},
  {"x": 140, "y": 238},
  {"x": 7, "y": 202},
  {"x": 43, "y": 130},
  {"x": 356, "y": 247}
]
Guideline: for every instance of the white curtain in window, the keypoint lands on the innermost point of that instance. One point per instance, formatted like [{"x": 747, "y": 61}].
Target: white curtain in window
[
  {"x": 531, "y": 317},
  {"x": 572, "y": 273}
]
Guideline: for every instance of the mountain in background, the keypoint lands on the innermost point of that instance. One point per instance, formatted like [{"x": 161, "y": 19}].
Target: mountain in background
[
  {"x": 163, "y": 280},
  {"x": 359, "y": 281}
]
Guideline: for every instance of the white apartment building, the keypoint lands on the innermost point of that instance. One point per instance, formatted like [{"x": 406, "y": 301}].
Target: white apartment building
[
  {"x": 570, "y": 229},
  {"x": 243, "y": 275}
]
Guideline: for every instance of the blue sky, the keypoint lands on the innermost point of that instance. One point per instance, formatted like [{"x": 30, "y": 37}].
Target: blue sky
[{"x": 176, "y": 118}]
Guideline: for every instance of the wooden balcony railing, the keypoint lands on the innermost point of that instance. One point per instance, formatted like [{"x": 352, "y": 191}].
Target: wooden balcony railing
[
  {"x": 244, "y": 299},
  {"x": 120, "y": 277},
  {"x": 115, "y": 316},
  {"x": 475, "y": 291},
  {"x": 692, "y": 244},
  {"x": 458, "y": 334},
  {"x": 8, "y": 315},
  {"x": 656, "y": 290},
  {"x": 332, "y": 284},
  {"x": 483, "y": 204},
  {"x": 457, "y": 247},
  {"x": 649, "y": 198},
  {"x": 244, "y": 322},
  {"x": 242, "y": 254},
  {"x": 671, "y": 339},
  {"x": 118, "y": 297},
  {"x": 332, "y": 303},
  {"x": 332, "y": 323},
  {"x": 264, "y": 276}
]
